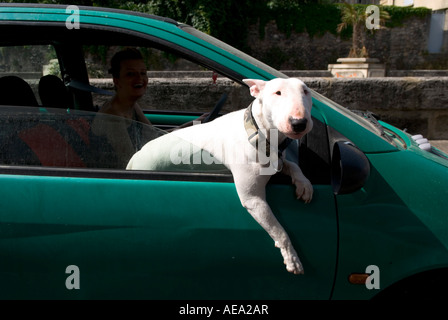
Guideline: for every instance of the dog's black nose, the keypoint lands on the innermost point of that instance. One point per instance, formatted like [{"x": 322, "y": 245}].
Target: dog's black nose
[{"x": 298, "y": 125}]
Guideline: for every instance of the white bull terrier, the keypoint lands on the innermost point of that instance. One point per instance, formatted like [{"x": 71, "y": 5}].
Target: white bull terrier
[{"x": 281, "y": 111}]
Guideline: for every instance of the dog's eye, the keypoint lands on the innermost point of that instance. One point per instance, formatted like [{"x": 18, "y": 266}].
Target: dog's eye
[
  {"x": 305, "y": 91},
  {"x": 279, "y": 93}
]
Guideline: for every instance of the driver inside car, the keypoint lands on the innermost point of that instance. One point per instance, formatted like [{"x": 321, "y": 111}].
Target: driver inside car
[{"x": 129, "y": 130}]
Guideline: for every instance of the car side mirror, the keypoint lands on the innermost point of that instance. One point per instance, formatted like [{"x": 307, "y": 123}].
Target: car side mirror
[{"x": 350, "y": 168}]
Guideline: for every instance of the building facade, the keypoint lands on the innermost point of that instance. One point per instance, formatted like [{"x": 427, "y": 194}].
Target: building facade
[{"x": 431, "y": 4}]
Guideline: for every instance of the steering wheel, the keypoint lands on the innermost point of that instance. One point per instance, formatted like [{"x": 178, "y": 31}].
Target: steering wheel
[{"x": 218, "y": 106}]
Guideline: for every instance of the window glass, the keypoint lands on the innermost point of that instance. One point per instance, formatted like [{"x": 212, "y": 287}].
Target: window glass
[
  {"x": 69, "y": 138},
  {"x": 28, "y": 62},
  {"x": 115, "y": 139}
]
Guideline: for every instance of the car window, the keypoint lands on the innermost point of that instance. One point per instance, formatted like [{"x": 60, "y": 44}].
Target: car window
[
  {"x": 175, "y": 84},
  {"x": 69, "y": 138},
  {"x": 42, "y": 126},
  {"x": 177, "y": 87},
  {"x": 27, "y": 73},
  {"x": 28, "y": 62}
]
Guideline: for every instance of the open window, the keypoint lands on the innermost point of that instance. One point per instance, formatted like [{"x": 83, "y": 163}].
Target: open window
[{"x": 60, "y": 129}]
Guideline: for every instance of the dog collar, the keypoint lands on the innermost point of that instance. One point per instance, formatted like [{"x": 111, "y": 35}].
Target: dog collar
[{"x": 254, "y": 133}]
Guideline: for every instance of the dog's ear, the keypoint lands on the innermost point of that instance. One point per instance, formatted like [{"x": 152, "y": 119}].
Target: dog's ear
[{"x": 256, "y": 86}]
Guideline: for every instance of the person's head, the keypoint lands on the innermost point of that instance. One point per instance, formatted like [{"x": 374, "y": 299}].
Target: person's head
[{"x": 129, "y": 73}]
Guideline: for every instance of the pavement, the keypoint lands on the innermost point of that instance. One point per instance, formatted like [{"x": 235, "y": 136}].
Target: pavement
[{"x": 440, "y": 144}]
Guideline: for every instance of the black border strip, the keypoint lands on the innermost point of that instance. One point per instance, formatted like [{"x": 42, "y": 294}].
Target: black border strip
[
  {"x": 114, "y": 174},
  {"x": 119, "y": 174}
]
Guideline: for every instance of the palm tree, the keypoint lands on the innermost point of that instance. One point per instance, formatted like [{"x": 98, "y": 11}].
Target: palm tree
[{"x": 356, "y": 16}]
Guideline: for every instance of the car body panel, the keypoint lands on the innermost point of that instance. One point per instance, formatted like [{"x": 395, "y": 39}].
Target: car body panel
[
  {"x": 231, "y": 252},
  {"x": 388, "y": 224}
]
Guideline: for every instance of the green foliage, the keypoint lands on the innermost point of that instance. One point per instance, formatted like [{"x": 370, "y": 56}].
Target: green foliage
[
  {"x": 53, "y": 68},
  {"x": 399, "y": 14},
  {"x": 229, "y": 20},
  {"x": 314, "y": 18},
  {"x": 225, "y": 19}
]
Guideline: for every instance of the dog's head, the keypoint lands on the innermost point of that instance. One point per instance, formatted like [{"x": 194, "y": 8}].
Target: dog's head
[{"x": 285, "y": 105}]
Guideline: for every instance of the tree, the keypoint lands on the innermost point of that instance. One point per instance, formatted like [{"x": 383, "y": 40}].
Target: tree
[{"x": 356, "y": 16}]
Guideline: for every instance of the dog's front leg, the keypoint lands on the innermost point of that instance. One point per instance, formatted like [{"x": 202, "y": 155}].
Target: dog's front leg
[
  {"x": 304, "y": 188},
  {"x": 262, "y": 213},
  {"x": 253, "y": 197}
]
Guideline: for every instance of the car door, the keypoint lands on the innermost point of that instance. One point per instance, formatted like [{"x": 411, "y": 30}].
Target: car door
[{"x": 76, "y": 232}]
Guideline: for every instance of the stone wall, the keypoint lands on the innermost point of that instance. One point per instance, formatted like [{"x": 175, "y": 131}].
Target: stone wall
[
  {"x": 400, "y": 48},
  {"x": 403, "y": 47},
  {"x": 418, "y": 104}
]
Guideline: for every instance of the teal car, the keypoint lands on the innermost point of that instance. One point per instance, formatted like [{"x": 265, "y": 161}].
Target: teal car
[{"x": 75, "y": 225}]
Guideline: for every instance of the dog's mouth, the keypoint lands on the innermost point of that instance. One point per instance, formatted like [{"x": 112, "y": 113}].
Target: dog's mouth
[{"x": 295, "y": 135}]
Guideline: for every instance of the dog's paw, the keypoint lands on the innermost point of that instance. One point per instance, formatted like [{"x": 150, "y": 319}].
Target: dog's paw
[
  {"x": 304, "y": 190},
  {"x": 294, "y": 265},
  {"x": 291, "y": 260}
]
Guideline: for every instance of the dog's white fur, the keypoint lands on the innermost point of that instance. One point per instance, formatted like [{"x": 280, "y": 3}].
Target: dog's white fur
[{"x": 277, "y": 102}]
